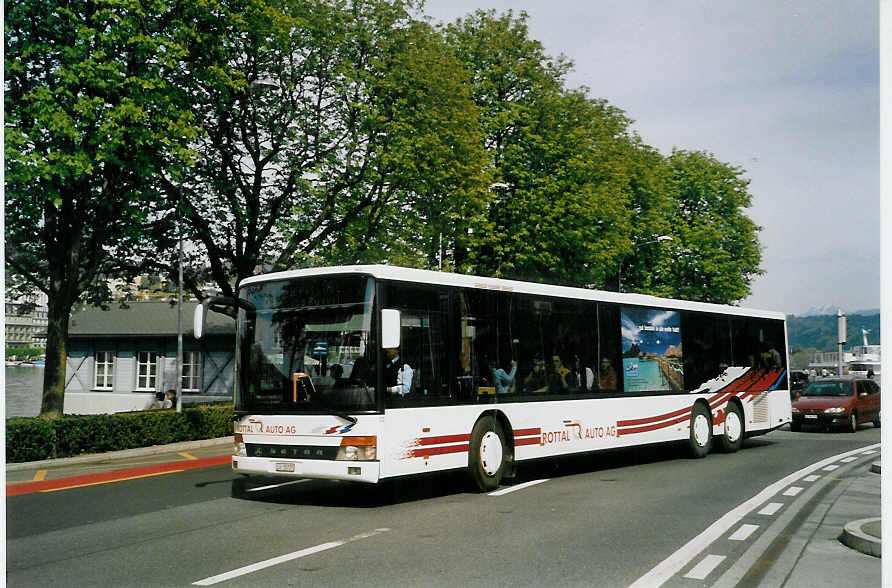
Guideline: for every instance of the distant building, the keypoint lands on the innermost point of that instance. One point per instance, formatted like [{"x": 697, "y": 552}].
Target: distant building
[
  {"x": 26, "y": 322},
  {"x": 119, "y": 358},
  {"x": 860, "y": 361}
]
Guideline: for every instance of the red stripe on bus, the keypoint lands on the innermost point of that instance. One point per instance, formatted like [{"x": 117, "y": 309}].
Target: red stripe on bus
[
  {"x": 620, "y": 432},
  {"x": 645, "y": 421},
  {"x": 443, "y": 439},
  {"x": 526, "y": 432},
  {"x": 527, "y": 441},
  {"x": 428, "y": 451}
]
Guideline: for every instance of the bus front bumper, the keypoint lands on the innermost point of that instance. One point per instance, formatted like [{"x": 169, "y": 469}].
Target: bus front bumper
[{"x": 354, "y": 471}]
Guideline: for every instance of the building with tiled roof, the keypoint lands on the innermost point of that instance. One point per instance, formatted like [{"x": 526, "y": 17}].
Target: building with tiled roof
[{"x": 119, "y": 358}]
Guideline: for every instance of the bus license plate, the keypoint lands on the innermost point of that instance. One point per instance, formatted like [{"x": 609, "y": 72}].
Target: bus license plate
[
  {"x": 284, "y": 467},
  {"x": 811, "y": 417}
]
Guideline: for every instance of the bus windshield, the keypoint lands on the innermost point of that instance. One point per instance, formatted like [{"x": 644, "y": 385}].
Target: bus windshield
[{"x": 306, "y": 346}]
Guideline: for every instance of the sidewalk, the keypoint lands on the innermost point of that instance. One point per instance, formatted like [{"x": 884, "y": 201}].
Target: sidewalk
[
  {"x": 842, "y": 538},
  {"x": 208, "y": 451}
]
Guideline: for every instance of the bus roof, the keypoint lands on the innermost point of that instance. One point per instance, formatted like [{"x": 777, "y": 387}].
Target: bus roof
[{"x": 420, "y": 276}]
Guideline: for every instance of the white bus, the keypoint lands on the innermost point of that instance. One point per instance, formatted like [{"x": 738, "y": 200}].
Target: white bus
[{"x": 366, "y": 373}]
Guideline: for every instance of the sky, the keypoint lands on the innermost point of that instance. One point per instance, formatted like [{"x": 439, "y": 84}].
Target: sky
[{"x": 786, "y": 90}]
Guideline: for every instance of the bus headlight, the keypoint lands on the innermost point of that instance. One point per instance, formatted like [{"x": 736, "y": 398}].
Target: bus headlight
[
  {"x": 358, "y": 449},
  {"x": 239, "y": 445}
]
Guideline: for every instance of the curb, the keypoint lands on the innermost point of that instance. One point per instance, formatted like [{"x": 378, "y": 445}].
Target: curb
[
  {"x": 113, "y": 455},
  {"x": 855, "y": 536}
]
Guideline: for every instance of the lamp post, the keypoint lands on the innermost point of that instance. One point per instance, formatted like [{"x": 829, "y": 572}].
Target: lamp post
[
  {"x": 659, "y": 239},
  {"x": 180, "y": 306}
]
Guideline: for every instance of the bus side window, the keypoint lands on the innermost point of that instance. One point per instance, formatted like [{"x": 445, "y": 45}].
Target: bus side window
[
  {"x": 423, "y": 319},
  {"x": 608, "y": 344}
]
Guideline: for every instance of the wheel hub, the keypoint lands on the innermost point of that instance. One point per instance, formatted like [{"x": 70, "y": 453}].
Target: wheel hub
[
  {"x": 732, "y": 426},
  {"x": 491, "y": 453},
  {"x": 701, "y": 430}
]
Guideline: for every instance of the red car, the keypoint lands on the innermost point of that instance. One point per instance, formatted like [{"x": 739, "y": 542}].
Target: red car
[{"x": 850, "y": 401}]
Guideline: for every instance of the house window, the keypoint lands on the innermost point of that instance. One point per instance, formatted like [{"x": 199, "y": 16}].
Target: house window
[
  {"x": 105, "y": 370},
  {"x": 146, "y": 370},
  {"x": 191, "y": 373}
]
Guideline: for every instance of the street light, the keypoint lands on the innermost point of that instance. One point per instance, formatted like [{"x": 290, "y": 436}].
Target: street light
[{"x": 659, "y": 239}]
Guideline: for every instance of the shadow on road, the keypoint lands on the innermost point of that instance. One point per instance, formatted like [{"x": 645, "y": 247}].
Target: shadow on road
[{"x": 338, "y": 494}]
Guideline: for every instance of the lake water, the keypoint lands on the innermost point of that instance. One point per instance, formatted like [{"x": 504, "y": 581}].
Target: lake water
[{"x": 23, "y": 390}]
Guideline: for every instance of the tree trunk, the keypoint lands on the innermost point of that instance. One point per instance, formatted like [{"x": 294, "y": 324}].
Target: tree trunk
[{"x": 56, "y": 359}]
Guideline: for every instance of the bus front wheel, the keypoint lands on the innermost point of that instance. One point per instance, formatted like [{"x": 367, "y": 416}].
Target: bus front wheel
[
  {"x": 700, "y": 439},
  {"x": 488, "y": 451}
]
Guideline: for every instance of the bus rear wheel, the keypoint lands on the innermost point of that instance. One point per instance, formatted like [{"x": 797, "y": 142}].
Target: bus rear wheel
[
  {"x": 488, "y": 451},
  {"x": 700, "y": 439},
  {"x": 732, "y": 439}
]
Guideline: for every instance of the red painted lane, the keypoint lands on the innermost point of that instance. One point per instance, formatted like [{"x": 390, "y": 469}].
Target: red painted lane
[{"x": 114, "y": 476}]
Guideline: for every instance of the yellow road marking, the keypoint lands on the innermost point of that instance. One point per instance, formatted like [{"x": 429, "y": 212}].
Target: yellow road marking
[
  {"x": 111, "y": 481},
  {"x": 39, "y": 476},
  {"x": 187, "y": 455}
]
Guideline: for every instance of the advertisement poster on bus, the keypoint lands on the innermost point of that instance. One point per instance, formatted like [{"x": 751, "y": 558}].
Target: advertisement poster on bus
[{"x": 652, "y": 352}]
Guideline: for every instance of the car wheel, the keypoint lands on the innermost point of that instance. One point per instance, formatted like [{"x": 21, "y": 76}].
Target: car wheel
[
  {"x": 853, "y": 423},
  {"x": 876, "y": 421},
  {"x": 487, "y": 454},
  {"x": 732, "y": 438},
  {"x": 700, "y": 439}
]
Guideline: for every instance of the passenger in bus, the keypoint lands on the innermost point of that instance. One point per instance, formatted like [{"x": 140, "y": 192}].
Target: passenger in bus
[
  {"x": 606, "y": 375},
  {"x": 398, "y": 375},
  {"x": 560, "y": 377},
  {"x": 536, "y": 381},
  {"x": 502, "y": 380},
  {"x": 580, "y": 378}
]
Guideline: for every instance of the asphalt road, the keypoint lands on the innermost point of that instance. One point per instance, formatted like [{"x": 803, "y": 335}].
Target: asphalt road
[{"x": 599, "y": 520}]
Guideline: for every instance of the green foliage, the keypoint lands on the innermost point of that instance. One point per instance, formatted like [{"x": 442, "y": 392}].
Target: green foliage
[
  {"x": 23, "y": 353},
  {"x": 32, "y": 439},
  {"x": 715, "y": 252}
]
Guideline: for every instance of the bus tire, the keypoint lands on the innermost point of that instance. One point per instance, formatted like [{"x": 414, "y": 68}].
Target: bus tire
[
  {"x": 240, "y": 486},
  {"x": 700, "y": 438},
  {"x": 732, "y": 436},
  {"x": 487, "y": 454}
]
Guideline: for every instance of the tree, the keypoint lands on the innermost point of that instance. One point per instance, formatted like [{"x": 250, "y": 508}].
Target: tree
[
  {"x": 89, "y": 112},
  {"x": 715, "y": 252},
  {"x": 321, "y": 123},
  {"x": 572, "y": 178}
]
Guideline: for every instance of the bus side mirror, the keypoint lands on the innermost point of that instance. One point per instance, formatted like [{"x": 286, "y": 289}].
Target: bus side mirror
[
  {"x": 217, "y": 304},
  {"x": 390, "y": 328},
  {"x": 198, "y": 319}
]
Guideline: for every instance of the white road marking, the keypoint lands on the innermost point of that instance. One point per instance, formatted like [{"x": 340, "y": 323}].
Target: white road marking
[
  {"x": 848, "y": 459},
  {"x": 771, "y": 508},
  {"x": 743, "y": 533},
  {"x": 518, "y": 487},
  {"x": 871, "y": 452},
  {"x": 792, "y": 491},
  {"x": 670, "y": 566},
  {"x": 830, "y": 468},
  {"x": 259, "y": 488},
  {"x": 284, "y": 558},
  {"x": 702, "y": 569},
  {"x": 811, "y": 478}
]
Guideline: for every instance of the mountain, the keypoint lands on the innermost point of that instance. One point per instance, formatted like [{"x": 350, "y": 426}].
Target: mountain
[
  {"x": 832, "y": 309},
  {"x": 820, "y": 332}
]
